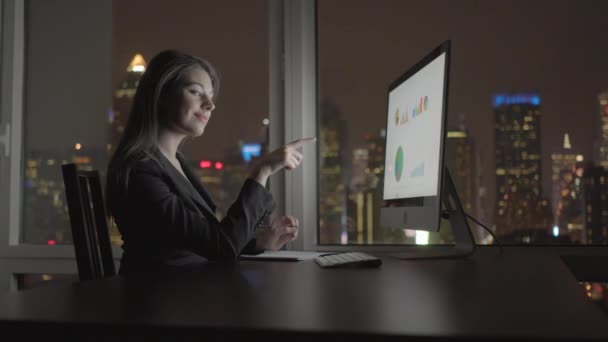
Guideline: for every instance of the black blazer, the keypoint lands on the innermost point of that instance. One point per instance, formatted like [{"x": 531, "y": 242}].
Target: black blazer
[{"x": 168, "y": 220}]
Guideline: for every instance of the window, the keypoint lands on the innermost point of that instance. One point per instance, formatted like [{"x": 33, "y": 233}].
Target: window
[
  {"x": 66, "y": 98},
  {"x": 527, "y": 108},
  {"x": 82, "y": 65}
]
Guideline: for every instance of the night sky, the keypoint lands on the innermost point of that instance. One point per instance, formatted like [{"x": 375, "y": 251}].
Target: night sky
[
  {"x": 232, "y": 35},
  {"x": 557, "y": 48}
]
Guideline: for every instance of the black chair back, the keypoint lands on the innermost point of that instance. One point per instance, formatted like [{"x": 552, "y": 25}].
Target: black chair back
[{"x": 89, "y": 223}]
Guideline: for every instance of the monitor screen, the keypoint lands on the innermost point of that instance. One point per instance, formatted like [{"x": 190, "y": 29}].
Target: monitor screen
[{"x": 415, "y": 133}]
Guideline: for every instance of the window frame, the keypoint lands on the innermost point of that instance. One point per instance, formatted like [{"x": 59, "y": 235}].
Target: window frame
[{"x": 300, "y": 110}]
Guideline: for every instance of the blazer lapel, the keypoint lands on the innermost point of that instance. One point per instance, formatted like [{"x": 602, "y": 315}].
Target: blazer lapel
[
  {"x": 200, "y": 189},
  {"x": 188, "y": 192}
]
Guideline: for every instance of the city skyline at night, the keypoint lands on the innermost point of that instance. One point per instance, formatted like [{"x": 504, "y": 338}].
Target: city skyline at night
[{"x": 523, "y": 49}]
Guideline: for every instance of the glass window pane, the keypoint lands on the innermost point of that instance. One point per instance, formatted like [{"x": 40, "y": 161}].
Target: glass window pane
[
  {"x": 67, "y": 96},
  {"x": 527, "y": 142},
  {"x": 78, "y": 99}
]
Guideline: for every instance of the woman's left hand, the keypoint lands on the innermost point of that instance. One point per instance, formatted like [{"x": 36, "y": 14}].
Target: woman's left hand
[{"x": 282, "y": 230}]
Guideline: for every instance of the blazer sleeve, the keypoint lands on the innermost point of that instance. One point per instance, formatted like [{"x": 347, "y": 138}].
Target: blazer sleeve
[{"x": 173, "y": 221}]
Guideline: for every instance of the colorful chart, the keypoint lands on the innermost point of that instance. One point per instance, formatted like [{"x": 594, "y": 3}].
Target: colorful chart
[
  {"x": 418, "y": 171},
  {"x": 399, "y": 163}
]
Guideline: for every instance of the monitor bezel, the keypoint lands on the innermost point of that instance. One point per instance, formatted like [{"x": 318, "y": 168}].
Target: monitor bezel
[{"x": 423, "y": 202}]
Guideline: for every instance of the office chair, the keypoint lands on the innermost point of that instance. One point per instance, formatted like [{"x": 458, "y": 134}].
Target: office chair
[{"x": 89, "y": 223}]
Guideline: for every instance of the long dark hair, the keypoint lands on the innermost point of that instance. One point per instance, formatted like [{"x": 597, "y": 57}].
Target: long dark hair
[{"x": 149, "y": 113}]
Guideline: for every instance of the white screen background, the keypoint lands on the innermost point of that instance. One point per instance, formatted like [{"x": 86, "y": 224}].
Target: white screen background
[{"x": 419, "y": 137}]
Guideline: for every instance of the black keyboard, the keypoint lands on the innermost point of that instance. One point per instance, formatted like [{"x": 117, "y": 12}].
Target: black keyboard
[{"x": 349, "y": 259}]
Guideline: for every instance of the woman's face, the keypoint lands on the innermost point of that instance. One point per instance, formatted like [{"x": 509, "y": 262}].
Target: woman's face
[{"x": 193, "y": 103}]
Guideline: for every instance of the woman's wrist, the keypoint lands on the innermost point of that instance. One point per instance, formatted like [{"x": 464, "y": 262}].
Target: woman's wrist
[{"x": 260, "y": 174}]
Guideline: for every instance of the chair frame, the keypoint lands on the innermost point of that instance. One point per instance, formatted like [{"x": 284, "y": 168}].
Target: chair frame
[{"x": 89, "y": 223}]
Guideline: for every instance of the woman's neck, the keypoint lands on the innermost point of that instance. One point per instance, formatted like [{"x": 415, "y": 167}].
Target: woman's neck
[{"x": 168, "y": 142}]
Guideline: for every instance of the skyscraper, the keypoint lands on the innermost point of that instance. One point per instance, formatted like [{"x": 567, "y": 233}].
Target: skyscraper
[
  {"x": 460, "y": 160},
  {"x": 567, "y": 191},
  {"x": 595, "y": 180},
  {"x": 123, "y": 99},
  {"x": 602, "y": 142},
  {"x": 520, "y": 207},
  {"x": 365, "y": 190},
  {"x": 360, "y": 169},
  {"x": 333, "y": 154}
]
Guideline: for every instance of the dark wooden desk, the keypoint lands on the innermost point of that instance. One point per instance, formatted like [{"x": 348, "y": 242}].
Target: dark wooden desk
[{"x": 527, "y": 292}]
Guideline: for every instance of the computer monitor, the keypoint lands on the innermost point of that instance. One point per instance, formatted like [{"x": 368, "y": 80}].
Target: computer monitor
[
  {"x": 418, "y": 190},
  {"x": 415, "y": 134}
]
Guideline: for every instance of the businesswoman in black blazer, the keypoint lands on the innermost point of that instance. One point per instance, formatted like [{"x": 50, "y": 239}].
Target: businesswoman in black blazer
[{"x": 164, "y": 214}]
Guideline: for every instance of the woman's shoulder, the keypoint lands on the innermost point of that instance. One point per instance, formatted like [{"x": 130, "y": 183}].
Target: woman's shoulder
[{"x": 147, "y": 164}]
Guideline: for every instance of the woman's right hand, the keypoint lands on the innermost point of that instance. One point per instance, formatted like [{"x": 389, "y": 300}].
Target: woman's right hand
[
  {"x": 282, "y": 230},
  {"x": 287, "y": 156}
]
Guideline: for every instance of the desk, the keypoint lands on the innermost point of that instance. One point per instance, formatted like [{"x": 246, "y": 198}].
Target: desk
[{"x": 527, "y": 292}]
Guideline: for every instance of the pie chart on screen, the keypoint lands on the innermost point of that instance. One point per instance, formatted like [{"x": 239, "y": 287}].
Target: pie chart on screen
[{"x": 399, "y": 163}]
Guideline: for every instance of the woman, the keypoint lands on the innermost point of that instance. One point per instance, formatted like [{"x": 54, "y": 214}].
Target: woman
[{"x": 164, "y": 214}]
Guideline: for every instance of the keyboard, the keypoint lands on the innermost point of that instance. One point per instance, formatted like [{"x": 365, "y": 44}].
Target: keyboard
[
  {"x": 282, "y": 255},
  {"x": 349, "y": 259}
]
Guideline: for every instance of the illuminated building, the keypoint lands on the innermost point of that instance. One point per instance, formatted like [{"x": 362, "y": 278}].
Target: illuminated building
[
  {"x": 375, "y": 147},
  {"x": 567, "y": 194},
  {"x": 123, "y": 99},
  {"x": 460, "y": 158},
  {"x": 360, "y": 169},
  {"x": 365, "y": 191},
  {"x": 43, "y": 192},
  {"x": 335, "y": 221},
  {"x": 363, "y": 214},
  {"x": 595, "y": 179},
  {"x": 602, "y": 143},
  {"x": 129, "y": 85},
  {"x": 519, "y": 202}
]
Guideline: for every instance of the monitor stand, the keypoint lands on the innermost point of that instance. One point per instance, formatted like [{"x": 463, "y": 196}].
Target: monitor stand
[{"x": 464, "y": 243}]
